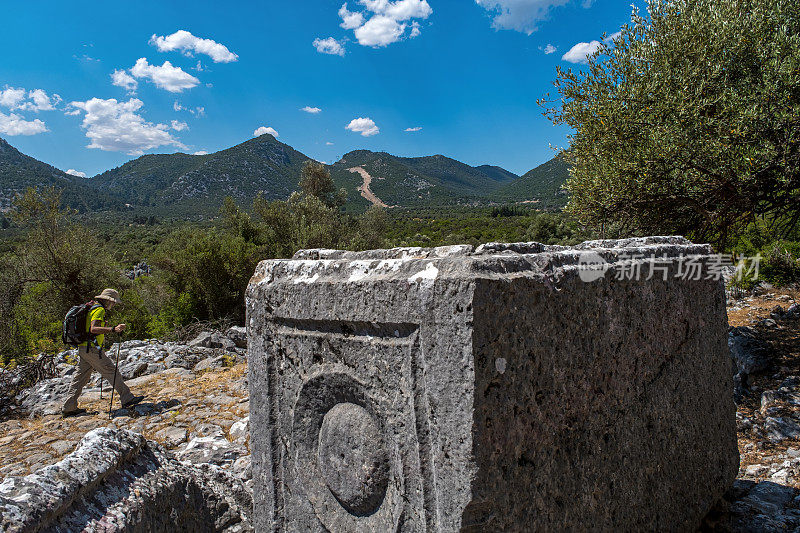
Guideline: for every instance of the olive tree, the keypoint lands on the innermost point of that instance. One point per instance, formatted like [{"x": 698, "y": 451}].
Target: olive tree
[
  {"x": 315, "y": 180},
  {"x": 688, "y": 121}
]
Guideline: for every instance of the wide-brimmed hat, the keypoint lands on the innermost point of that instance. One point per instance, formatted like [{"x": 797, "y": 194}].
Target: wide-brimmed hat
[{"x": 110, "y": 295}]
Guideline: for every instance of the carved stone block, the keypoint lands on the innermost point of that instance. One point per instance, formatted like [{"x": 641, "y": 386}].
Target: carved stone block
[{"x": 510, "y": 387}]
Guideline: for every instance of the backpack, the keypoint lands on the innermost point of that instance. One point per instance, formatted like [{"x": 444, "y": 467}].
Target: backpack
[{"x": 74, "y": 331}]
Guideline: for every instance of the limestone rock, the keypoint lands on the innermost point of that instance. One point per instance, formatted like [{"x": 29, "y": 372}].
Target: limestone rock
[
  {"x": 240, "y": 431},
  {"x": 748, "y": 350},
  {"x": 209, "y": 363},
  {"x": 225, "y": 343},
  {"x": 203, "y": 339},
  {"x": 764, "y": 506},
  {"x": 46, "y": 397},
  {"x": 212, "y": 339},
  {"x": 62, "y": 446},
  {"x": 172, "y": 436},
  {"x": 781, "y": 428},
  {"x": 184, "y": 359},
  {"x": 242, "y": 468},
  {"x": 756, "y": 470},
  {"x": 214, "y": 449},
  {"x": 116, "y": 480},
  {"x": 154, "y": 368},
  {"x": 133, "y": 369},
  {"x": 238, "y": 335},
  {"x": 512, "y": 387},
  {"x": 750, "y": 353}
]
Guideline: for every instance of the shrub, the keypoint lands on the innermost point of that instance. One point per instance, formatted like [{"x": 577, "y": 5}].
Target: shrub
[
  {"x": 213, "y": 267},
  {"x": 781, "y": 263}
]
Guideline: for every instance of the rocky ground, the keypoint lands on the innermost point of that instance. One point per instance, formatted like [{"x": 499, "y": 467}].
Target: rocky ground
[
  {"x": 766, "y": 339},
  {"x": 197, "y": 407}
]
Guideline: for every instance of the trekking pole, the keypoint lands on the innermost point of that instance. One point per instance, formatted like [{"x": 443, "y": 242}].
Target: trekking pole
[
  {"x": 114, "y": 384},
  {"x": 101, "y": 378}
]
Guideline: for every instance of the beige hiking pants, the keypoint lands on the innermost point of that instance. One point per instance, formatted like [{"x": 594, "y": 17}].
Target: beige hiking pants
[{"x": 93, "y": 359}]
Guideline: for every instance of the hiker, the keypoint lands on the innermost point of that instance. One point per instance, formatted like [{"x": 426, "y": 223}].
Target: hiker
[{"x": 92, "y": 357}]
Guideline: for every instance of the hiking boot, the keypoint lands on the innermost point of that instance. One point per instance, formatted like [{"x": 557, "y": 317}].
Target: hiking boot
[
  {"x": 74, "y": 412},
  {"x": 133, "y": 401}
]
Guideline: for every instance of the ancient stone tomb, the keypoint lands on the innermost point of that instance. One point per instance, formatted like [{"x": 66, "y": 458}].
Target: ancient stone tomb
[{"x": 510, "y": 387}]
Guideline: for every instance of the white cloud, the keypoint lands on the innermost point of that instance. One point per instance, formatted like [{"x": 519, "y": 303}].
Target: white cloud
[
  {"x": 173, "y": 79},
  {"x": 365, "y": 126},
  {"x": 178, "y": 125},
  {"x": 379, "y": 31},
  {"x": 384, "y": 22},
  {"x": 374, "y": 5},
  {"x": 41, "y": 102},
  {"x": 34, "y": 100},
  {"x": 329, "y": 46},
  {"x": 312, "y": 110},
  {"x": 328, "y": 143},
  {"x": 549, "y": 49},
  {"x": 350, "y": 20},
  {"x": 200, "y": 152},
  {"x": 265, "y": 129},
  {"x": 86, "y": 58},
  {"x": 581, "y": 51},
  {"x": 400, "y": 10},
  {"x": 11, "y": 97},
  {"x": 187, "y": 43},
  {"x": 121, "y": 78},
  {"x": 519, "y": 15},
  {"x": 414, "y": 129},
  {"x": 117, "y": 127},
  {"x": 197, "y": 111},
  {"x": 73, "y": 172},
  {"x": 13, "y": 124}
]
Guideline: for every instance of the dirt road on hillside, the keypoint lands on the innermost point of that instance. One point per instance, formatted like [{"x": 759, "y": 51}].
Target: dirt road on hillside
[{"x": 364, "y": 189}]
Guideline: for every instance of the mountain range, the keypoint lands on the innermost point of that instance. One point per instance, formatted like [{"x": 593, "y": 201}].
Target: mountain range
[
  {"x": 196, "y": 184},
  {"x": 19, "y": 171}
]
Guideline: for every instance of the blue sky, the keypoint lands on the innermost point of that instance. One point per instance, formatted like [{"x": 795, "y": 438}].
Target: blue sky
[{"x": 467, "y": 72}]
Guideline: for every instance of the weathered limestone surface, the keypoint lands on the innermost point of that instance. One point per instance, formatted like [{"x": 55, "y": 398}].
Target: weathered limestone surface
[
  {"x": 453, "y": 389},
  {"x": 116, "y": 480}
]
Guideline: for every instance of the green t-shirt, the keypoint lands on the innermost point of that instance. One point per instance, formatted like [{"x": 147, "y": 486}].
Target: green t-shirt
[{"x": 99, "y": 313}]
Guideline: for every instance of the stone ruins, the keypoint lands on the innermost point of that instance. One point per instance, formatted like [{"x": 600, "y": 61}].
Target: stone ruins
[
  {"x": 505, "y": 388},
  {"x": 116, "y": 480}
]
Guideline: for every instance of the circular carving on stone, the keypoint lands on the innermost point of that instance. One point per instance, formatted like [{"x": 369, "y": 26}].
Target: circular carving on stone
[
  {"x": 341, "y": 457},
  {"x": 352, "y": 459}
]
